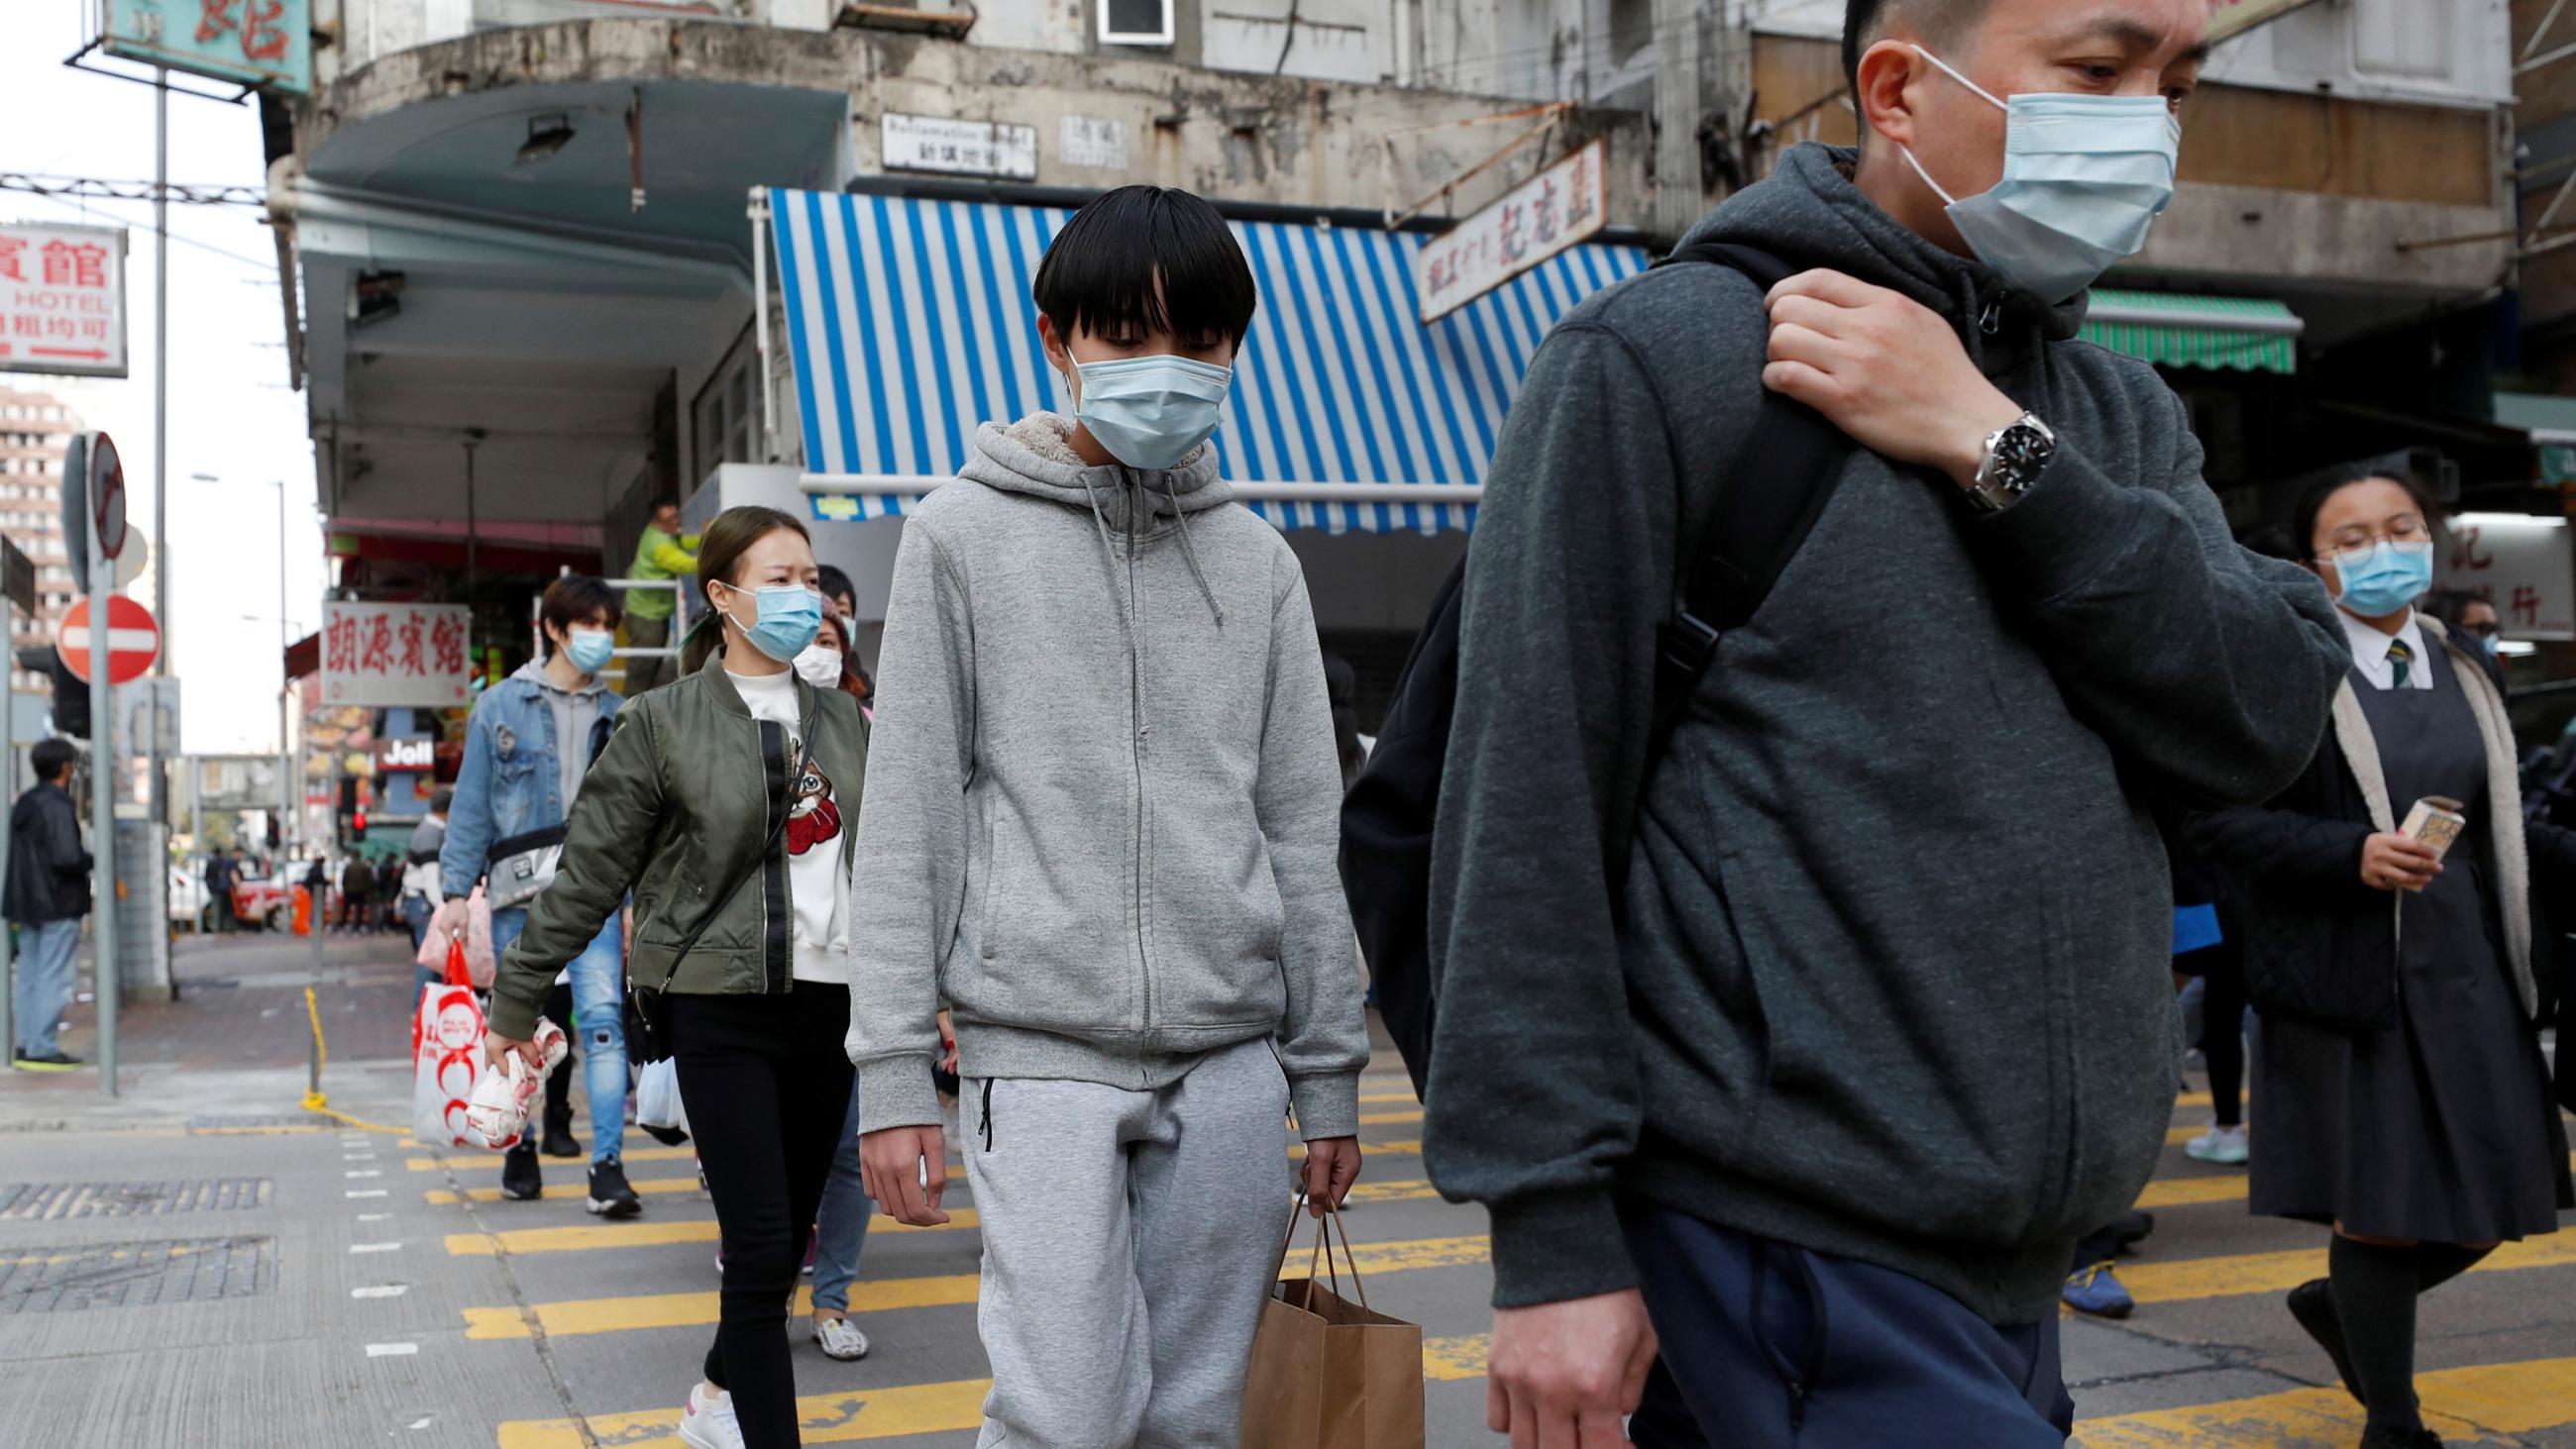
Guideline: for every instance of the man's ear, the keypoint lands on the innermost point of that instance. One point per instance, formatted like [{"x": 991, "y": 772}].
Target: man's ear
[
  {"x": 1053, "y": 343},
  {"x": 1888, "y": 70}
]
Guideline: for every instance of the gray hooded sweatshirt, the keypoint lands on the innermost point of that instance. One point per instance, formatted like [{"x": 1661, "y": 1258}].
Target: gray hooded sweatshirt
[
  {"x": 1886, "y": 977},
  {"x": 1103, "y": 799}
]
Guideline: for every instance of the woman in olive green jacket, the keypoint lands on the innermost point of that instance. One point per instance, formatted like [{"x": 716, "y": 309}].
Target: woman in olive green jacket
[{"x": 726, "y": 803}]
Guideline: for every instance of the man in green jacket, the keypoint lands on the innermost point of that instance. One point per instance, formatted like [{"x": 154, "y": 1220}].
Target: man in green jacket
[{"x": 661, "y": 555}]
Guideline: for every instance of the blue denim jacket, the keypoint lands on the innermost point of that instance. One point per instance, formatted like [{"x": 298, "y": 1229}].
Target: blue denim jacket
[{"x": 508, "y": 783}]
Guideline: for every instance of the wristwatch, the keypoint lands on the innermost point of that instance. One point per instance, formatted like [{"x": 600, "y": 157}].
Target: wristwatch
[{"x": 2015, "y": 455}]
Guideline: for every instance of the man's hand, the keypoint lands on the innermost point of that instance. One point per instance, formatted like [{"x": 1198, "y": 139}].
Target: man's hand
[
  {"x": 1564, "y": 1375},
  {"x": 891, "y": 1166},
  {"x": 2389, "y": 861},
  {"x": 1332, "y": 1165},
  {"x": 1885, "y": 369},
  {"x": 452, "y": 917}
]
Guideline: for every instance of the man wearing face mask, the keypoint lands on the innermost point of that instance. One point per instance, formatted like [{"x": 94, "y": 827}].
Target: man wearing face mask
[
  {"x": 531, "y": 740},
  {"x": 1890, "y": 916},
  {"x": 1136, "y": 917}
]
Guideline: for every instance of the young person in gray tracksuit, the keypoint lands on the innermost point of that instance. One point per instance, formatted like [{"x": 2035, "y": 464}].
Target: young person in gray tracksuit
[{"x": 1102, "y": 820}]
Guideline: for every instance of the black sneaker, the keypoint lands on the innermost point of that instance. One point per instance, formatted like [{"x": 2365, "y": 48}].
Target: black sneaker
[
  {"x": 53, "y": 1061},
  {"x": 610, "y": 1197},
  {"x": 520, "y": 1180},
  {"x": 560, "y": 1143},
  {"x": 2312, "y": 1304},
  {"x": 2382, "y": 1436}
]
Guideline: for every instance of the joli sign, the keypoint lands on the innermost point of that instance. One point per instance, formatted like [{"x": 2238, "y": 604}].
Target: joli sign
[{"x": 405, "y": 756}]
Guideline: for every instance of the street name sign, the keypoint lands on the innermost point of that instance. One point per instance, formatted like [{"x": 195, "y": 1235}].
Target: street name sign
[
  {"x": 133, "y": 639},
  {"x": 62, "y": 299},
  {"x": 955, "y": 147}
]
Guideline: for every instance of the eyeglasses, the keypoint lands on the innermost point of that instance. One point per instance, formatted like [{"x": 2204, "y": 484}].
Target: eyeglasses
[{"x": 2404, "y": 529}]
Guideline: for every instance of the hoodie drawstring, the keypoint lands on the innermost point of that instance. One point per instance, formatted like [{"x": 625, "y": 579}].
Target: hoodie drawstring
[
  {"x": 1109, "y": 559},
  {"x": 1189, "y": 553}
]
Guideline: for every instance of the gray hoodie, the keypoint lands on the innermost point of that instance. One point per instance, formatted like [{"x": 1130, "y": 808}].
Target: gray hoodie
[
  {"x": 1887, "y": 974},
  {"x": 1103, "y": 800}
]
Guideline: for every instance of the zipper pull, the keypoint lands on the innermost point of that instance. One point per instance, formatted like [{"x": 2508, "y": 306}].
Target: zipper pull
[{"x": 1993, "y": 320}]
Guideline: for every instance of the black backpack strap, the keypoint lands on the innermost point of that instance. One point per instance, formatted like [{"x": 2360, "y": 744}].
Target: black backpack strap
[{"x": 1766, "y": 506}]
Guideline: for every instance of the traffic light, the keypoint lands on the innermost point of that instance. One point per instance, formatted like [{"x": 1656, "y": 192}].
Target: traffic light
[
  {"x": 360, "y": 820},
  {"x": 71, "y": 695}
]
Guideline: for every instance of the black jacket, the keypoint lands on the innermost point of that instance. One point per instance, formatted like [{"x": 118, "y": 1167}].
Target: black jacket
[{"x": 48, "y": 869}]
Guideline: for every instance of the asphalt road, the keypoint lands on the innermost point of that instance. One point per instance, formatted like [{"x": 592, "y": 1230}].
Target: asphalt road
[{"x": 241, "y": 1273}]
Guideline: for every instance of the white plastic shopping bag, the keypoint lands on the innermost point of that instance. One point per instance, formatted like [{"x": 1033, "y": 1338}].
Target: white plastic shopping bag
[
  {"x": 449, "y": 1065},
  {"x": 658, "y": 1108}
]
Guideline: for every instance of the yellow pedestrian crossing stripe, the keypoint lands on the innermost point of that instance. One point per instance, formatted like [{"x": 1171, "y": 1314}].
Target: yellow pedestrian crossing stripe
[
  {"x": 2239, "y": 1274},
  {"x": 843, "y": 1418},
  {"x": 1389, "y": 1119},
  {"x": 587, "y": 1238},
  {"x": 1297, "y": 1150},
  {"x": 2459, "y": 1404},
  {"x": 685, "y": 1310}
]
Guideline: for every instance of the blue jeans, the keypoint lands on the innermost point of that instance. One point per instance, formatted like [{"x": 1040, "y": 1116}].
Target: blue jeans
[
  {"x": 841, "y": 1226},
  {"x": 1773, "y": 1346},
  {"x": 47, "y": 957},
  {"x": 599, "y": 1005}
]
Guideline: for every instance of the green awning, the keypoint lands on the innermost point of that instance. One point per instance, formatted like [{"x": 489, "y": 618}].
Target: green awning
[{"x": 2176, "y": 329}]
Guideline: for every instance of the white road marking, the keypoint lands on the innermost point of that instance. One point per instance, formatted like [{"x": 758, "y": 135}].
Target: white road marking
[
  {"x": 368, "y": 1192},
  {"x": 381, "y": 1290},
  {"x": 358, "y": 1172},
  {"x": 373, "y": 1247},
  {"x": 392, "y": 1350},
  {"x": 372, "y": 1217}
]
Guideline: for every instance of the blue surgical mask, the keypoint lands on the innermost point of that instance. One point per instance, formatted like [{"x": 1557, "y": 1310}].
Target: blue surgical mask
[
  {"x": 2384, "y": 578},
  {"x": 787, "y": 616},
  {"x": 588, "y": 649},
  {"x": 2084, "y": 177},
  {"x": 1149, "y": 412}
]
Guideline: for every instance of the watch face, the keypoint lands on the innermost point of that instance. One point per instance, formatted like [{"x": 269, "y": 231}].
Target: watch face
[{"x": 2019, "y": 452}]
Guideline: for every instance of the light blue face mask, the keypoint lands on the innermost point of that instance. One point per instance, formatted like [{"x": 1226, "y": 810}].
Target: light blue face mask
[
  {"x": 787, "y": 617},
  {"x": 2384, "y": 578},
  {"x": 1149, "y": 412},
  {"x": 2084, "y": 177},
  {"x": 588, "y": 649}
]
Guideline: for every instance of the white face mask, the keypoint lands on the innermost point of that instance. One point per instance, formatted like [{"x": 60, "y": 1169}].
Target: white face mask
[
  {"x": 2084, "y": 177},
  {"x": 821, "y": 666}
]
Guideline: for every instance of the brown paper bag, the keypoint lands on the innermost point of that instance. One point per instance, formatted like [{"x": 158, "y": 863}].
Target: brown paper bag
[{"x": 1328, "y": 1374}]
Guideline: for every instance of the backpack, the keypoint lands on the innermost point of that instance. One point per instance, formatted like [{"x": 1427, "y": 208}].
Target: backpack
[{"x": 1390, "y": 810}]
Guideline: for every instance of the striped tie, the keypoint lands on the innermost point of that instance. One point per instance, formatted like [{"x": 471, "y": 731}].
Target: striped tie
[{"x": 2402, "y": 660}]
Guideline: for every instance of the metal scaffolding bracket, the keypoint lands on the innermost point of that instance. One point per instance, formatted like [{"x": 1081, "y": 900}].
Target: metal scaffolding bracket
[{"x": 1548, "y": 116}]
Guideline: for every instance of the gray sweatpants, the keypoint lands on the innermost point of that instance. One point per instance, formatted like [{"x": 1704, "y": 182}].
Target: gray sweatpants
[{"x": 1129, "y": 1239}]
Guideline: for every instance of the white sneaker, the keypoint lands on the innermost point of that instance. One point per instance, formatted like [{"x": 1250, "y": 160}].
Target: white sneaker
[
  {"x": 2223, "y": 1145},
  {"x": 709, "y": 1423},
  {"x": 840, "y": 1339}
]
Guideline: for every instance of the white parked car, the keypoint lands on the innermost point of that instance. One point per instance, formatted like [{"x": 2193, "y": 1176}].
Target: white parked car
[{"x": 188, "y": 899}]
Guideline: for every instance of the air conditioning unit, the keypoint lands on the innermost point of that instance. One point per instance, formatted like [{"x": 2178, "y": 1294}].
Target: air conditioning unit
[{"x": 1135, "y": 22}]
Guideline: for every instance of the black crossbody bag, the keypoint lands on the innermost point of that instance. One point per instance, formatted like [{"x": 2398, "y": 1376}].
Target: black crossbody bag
[{"x": 648, "y": 1012}]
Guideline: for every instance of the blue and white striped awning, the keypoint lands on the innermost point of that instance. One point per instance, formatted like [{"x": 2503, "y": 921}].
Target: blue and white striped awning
[{"x": 909, "y": 323}]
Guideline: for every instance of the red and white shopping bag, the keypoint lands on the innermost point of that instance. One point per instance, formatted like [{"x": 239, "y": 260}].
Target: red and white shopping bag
[{"x": 448, "y": 1064}]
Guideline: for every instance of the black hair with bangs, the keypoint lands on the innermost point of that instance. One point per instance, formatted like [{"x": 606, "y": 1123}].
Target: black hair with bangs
[{"x": 1102, "y": 270}]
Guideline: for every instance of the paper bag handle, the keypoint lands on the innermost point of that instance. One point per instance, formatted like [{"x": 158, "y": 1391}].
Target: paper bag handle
[{"x": 1324, "y": 1250}]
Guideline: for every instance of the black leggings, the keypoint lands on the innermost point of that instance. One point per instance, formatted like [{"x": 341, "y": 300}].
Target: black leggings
[
  {"x": 767, "y": 1085},
  {"x": 2222, "y": 1039}
]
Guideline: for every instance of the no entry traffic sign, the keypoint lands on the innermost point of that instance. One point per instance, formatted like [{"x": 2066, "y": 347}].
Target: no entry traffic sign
[{"x": 133, "y": 639}]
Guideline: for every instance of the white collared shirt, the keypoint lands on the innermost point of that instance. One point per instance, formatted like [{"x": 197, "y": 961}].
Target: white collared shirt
[{"x": 2370, "y": 651}]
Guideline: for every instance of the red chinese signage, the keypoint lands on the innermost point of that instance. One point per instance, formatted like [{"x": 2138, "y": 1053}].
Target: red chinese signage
[
  {"x": 394, "y": 654},
  {"x": 62, "y": 299},
  {"x": 1532, "y": 222}
]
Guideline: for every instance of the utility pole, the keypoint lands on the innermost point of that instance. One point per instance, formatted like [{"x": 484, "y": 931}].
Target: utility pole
[
  {"x": 102, "y": 810},
  {"x": 153, "y": 744}
]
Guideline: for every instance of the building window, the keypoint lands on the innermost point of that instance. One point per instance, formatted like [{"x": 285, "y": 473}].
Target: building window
[
  {"x": 724, "y": 421},
  {"x": 1135, "y": 22}
]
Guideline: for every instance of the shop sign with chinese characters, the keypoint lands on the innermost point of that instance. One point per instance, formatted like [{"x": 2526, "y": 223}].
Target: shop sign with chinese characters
[
  {"x": 2523, "y": 565},
  {"x": 958, "y": 148},
  {"x": 62, "y": 299},
  {"x": 252, "y": 42},
  {"x": 1533, "y": 221},
  {"x": 390, "y": 654}
]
